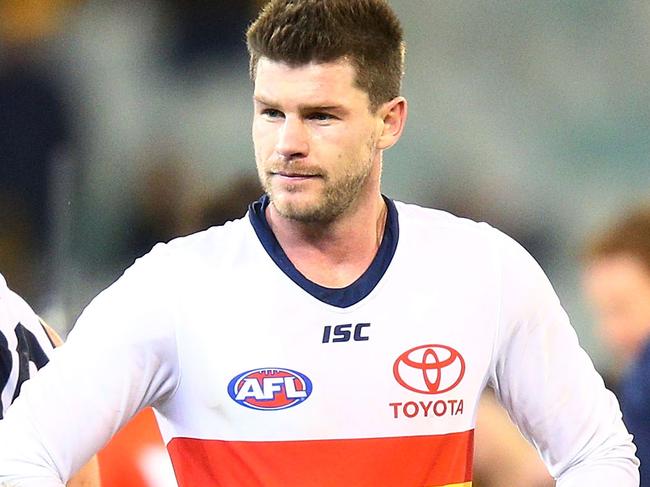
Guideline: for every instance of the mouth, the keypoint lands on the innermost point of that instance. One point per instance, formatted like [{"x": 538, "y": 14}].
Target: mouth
[{"x": 294, "y": 175}]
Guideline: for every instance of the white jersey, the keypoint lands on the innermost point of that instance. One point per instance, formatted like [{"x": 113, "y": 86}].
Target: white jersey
[
  {"x": 260, "y": 377},
  {"x": 24, "y": 345}
]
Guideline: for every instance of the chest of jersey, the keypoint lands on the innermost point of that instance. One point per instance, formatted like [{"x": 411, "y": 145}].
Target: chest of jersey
[{"x": 266, "y": 363}]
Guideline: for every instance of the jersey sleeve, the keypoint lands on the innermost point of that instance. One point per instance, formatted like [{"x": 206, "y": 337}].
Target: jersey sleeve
[
  {"x": 549, "y": 385},
  {"x": 24, "y": 345},
  {"x": 120, "y": 357}
]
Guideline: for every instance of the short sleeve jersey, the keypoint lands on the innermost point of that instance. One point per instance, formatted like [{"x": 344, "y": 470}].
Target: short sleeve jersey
[{"x": 24, "y": 344}]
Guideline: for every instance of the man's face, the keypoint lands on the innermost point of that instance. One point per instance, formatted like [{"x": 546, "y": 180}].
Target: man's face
[
  {"x": 315, "y": 139},
  {"x": 619, "y": 290}
]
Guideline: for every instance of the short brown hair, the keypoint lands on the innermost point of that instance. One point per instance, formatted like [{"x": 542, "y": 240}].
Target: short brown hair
[
  {"x": 629, "y": 236},
  {"x": 367, "y": 32}
]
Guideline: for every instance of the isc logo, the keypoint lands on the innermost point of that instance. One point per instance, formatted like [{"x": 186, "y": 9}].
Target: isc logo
[
  {"x": 343, "y": 333},
  {"x": 270, "y": 388}
]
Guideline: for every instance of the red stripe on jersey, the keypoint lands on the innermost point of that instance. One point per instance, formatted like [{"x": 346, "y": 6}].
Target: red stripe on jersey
[{"x": 415, "y": 461}]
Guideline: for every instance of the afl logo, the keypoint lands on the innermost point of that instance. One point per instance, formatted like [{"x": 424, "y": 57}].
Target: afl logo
[
  {"x": 429, "y": 369},
  {"x": 270, "y": 388}
]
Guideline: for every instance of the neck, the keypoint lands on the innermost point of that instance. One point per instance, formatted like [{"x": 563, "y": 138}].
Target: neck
[{"x": 337, "y": 253}]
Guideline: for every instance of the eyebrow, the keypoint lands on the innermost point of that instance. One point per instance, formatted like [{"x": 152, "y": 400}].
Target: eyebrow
[{"x": 303, "y": 107}]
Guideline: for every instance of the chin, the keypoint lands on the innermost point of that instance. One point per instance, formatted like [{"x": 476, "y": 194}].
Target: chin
[{"x": 301, "y": 209}]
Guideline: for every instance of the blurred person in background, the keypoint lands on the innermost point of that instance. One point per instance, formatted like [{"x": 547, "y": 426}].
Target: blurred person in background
[
  {"x": 26, "y": 343},
  {"x": 616, "y": 281},
  {"x": 208, "y": 29}
]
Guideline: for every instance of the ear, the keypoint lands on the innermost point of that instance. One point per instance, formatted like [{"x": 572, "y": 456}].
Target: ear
[{"x": 393, "y": 117}]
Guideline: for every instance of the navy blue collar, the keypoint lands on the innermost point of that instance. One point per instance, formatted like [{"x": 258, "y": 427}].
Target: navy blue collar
[{"x": 339, "y": 297}]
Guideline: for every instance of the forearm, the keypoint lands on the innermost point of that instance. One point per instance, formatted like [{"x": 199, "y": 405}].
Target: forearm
[
  {"x": 612, "y": 471},
  {"x": 87, "y": 476},
  {"x": 24, "y": 460}
]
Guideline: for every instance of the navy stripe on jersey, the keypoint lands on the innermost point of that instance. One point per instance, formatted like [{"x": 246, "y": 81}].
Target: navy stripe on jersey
[
  {"x": 29, "y": 350},
  {"x": 339, "y": 297},
  {"x": 5, "y": 368}
]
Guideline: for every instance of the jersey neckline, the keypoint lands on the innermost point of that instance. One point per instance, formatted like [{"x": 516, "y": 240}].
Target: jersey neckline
[{"x": 339, "y": 297}]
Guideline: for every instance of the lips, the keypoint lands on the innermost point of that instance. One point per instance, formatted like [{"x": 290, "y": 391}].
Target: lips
[{"x": 294, "y": 174}]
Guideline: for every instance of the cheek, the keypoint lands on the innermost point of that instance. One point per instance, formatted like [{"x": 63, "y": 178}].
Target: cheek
[{"x": 352, "y": 147}]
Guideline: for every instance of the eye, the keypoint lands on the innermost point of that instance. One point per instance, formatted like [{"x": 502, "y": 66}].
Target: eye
[
  {"x": 272, "y": 113},
  {"x": 321, "y": 117}
]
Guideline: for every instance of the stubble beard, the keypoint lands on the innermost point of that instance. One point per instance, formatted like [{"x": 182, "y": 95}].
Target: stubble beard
[{"x": 334, "y": 200}]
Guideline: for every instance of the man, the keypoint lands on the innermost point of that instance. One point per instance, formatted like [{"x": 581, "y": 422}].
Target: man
[
  {"x": 25, "y": 345},
  {"x": 333, "y": 337},
  {"x": 617, "y": 283}
]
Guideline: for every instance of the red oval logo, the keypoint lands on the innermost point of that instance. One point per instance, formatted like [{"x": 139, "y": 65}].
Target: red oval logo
[{"x": 429, "y": 369}]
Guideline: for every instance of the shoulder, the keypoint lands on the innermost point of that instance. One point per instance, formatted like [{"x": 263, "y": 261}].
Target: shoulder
[
  {"x": 6, "y": 296},
  {"x": 213, "y": 240},
  {"x": 15, "y": 310},
  {"x": 472, "y": 245},
  {"x": 212, "y": 244},
  {"x": 419, "y": 222},
  {"x": 174, "y": 267}
]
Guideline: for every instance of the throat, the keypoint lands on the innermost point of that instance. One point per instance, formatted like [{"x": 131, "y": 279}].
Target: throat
[
  {"x": 338, "y": 279},
  {"x": 337, "y": 256}
]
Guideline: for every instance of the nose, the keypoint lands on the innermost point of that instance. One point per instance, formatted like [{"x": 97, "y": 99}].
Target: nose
[{"x": 293, "y": 140}]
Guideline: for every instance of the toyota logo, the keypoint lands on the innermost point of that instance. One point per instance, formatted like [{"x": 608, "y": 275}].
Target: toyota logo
[{"x": 429, "y": 369}]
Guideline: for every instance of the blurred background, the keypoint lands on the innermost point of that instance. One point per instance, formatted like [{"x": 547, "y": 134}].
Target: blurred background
[{"x": 124, "y": 123}]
